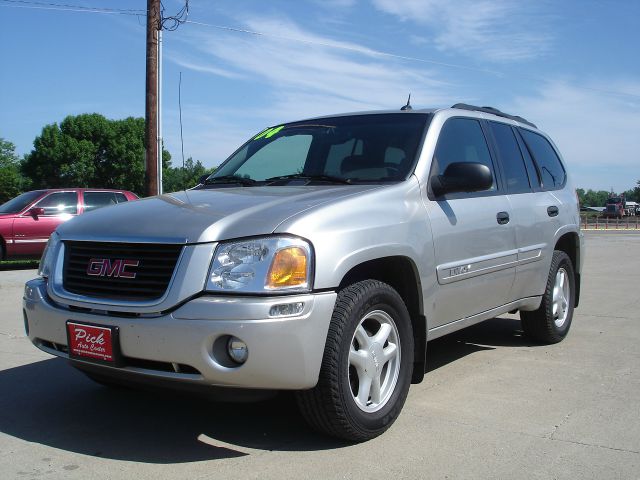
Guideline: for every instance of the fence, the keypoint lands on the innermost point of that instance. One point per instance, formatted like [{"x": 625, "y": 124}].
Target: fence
[{"x": 601, "y": 223}]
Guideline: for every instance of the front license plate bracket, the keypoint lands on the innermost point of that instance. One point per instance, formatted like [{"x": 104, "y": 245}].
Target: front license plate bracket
[{"x": 91, "y": 342}]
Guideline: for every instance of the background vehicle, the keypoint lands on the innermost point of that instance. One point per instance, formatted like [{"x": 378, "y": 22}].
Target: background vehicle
[
  {"x": 618, "y": 207},
  {"x": 27, "y": 221},
  {"x": 320, "y": 258}
]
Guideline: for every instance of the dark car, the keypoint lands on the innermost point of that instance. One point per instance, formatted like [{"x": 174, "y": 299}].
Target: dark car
[{"x": 27, "y": 220}]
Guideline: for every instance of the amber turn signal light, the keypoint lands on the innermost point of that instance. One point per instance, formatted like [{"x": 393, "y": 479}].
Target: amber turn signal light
[{"x": 288, "y": 268}]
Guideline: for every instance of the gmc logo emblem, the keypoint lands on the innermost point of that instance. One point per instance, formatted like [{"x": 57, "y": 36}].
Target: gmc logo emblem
[{"x": 105, "y": 267}]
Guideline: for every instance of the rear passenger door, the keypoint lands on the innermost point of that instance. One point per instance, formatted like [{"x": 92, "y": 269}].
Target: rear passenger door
[
  {"x": 528, "y": 207},
  {"x": 474, "y": 239},
  {"x": 547, "y": 208}
]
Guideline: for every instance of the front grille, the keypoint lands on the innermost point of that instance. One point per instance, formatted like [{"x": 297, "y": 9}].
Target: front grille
[{"x": 98, "y": 269}]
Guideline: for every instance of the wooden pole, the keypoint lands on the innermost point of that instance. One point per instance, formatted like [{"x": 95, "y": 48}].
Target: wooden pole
[{"x": 151, "y": 103}]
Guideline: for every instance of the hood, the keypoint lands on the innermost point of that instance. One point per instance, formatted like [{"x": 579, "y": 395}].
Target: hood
[{"x": 197, "y": 216}]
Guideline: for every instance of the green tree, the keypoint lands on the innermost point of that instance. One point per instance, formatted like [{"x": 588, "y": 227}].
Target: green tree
[
  {"x": 89, "y": 150},
  {"x": 12, "y": 182},
  {"x": 594, "y": 199},
  {"x": 178, "y": 178},
  {"x": 633, "y": 194}
]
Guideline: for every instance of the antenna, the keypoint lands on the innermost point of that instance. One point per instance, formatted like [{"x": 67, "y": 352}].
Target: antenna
[
  {"x": 408, "y": 105},
  {"x": 181, "y": 139}
]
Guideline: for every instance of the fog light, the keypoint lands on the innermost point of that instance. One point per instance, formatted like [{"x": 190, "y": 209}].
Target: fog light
[
  {"x": 29, "y": 292},
  {"x": 286, "y": 309},
  {"x": 237, "y": 350}
]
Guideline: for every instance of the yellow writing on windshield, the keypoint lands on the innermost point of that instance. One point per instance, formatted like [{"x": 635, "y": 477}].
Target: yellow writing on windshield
[{"x": 269, "y": 132}]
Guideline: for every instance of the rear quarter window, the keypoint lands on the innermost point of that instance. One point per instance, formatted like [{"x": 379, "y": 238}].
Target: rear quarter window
[
  {"x": 94, "y": 200},
  {"x": 552, "y": 172}
]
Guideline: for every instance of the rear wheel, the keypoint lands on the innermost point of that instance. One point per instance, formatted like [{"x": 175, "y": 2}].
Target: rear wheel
[
  {"x": 366, "y": 369},
  {"x": 550, "y": 323}
]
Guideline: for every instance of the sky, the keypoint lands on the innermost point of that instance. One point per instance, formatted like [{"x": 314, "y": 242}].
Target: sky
[{"x": 571, "y": 67}]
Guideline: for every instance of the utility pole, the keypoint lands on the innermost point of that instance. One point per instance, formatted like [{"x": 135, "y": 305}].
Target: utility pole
[{"x": 151, "y": 107}]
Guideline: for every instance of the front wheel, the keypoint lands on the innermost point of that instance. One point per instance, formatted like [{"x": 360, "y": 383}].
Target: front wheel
[
  {"x": 367, "y": 365},
  {"x": 550, "y": 323}
]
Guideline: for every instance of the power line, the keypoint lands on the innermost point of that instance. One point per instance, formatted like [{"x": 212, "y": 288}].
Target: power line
[
  {"x": 181, "y": 18},
  {"x": 64, "y": 6},
  {"x": 77, "y": 8},
  {"x": 380, "y": 53},
  {"x": 172, "y": 23},
  {"x": 361, "y": 50}
]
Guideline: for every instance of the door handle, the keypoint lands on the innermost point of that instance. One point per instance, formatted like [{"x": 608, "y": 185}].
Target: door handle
[
  {"x": 503, "y": 218},
  {"x": 552, "y": 211}
]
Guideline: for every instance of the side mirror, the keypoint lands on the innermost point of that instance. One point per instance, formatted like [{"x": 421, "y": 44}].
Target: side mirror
[
  {"x": 35, "y": 212},
  {"x": 203, "y": 178},
  {"x": 462, "y": 177}
]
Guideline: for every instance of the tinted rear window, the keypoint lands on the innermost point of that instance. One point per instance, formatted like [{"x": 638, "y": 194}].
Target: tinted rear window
[
  {"x": 513, "y": 165},
  {"x": 549, "y": 165},
  {"x": 59, "y": 203}
]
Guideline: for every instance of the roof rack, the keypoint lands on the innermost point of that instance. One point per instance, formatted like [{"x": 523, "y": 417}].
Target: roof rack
[{"x": 493, "y": 111}]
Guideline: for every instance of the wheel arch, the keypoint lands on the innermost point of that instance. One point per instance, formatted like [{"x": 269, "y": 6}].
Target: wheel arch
[
  {"x": 569, "y": 243},
  {"x": 401, "y": 273},
  {"x": 3, "y": 248}
]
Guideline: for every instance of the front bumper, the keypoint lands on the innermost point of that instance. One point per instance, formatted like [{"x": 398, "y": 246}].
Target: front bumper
[{"x": 284, "y": 352}]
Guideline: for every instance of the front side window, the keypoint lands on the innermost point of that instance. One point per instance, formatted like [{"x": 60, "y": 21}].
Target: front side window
[
  {"x": 461, "y": 140},
  {"x": 93, "y": 200},
  {"x": 59, "y": 203},
  {"x": 20, "y": 202},
  {"x": 358, "y": 148},
  {"x": 549, "y": 165}
]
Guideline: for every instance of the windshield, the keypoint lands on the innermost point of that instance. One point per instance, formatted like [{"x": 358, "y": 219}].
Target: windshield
[
  {"x": 360, "y": 148},
  {"x": 614, "y": 200},
  {"x": 19, "y": 203}
]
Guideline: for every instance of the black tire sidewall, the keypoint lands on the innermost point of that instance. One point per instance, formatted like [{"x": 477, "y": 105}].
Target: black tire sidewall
[
  {"x": 386, "y": 299},
  {"x": 561, "y": 260}
]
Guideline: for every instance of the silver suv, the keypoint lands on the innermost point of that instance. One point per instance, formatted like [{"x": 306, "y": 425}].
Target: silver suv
[{"x": 320, "y": 257}]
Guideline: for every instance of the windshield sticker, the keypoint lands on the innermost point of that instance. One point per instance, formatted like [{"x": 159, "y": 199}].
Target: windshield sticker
[{"x": 269, "y": 132}]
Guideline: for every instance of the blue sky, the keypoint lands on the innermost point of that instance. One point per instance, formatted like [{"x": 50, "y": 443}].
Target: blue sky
[{"x": 569, "y": 66}]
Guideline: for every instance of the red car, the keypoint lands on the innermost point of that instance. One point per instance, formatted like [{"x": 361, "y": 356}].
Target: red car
[{"x": 27, "y": 220}]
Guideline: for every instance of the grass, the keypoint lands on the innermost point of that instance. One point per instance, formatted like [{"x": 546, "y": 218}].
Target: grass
[{"x": 18, "y": 264}]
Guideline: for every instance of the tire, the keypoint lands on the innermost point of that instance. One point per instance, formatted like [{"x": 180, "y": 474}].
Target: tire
[
  {"x": 550, "y": 323},
  {"x": 346, "y": 403}
]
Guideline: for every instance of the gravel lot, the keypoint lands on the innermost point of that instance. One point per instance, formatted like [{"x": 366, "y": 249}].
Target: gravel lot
[{"x": 493, "y": 405}]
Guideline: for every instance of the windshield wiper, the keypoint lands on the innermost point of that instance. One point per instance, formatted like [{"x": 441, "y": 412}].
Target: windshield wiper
[
  {"x": 230, "y": 179},
  {"x": 304, "y": 176}
]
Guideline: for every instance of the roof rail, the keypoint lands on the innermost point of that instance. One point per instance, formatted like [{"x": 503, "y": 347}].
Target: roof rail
[{"x": 493, "y": 111}]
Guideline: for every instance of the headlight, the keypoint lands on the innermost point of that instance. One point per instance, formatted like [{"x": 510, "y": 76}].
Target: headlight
[
  {"x": 48, "y": 256},
  {"x": 262, "y": 265}
]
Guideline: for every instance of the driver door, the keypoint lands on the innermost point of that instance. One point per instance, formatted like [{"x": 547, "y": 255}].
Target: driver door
[
  {"x": 31, "y": 232},
  {"x": 474, "y": 240}
]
